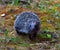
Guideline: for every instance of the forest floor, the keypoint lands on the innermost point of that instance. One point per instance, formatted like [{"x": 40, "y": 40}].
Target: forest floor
[{"x": 7, "y": 17}]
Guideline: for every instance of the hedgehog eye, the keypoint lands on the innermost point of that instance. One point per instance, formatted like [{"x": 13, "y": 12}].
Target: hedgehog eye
[{"x": 30, "y": 26}]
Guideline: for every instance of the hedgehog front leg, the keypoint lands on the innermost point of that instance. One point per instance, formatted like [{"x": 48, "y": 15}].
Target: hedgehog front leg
[{"x": 32, "y": 35}]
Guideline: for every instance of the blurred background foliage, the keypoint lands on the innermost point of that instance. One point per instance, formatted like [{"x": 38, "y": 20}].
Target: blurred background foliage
[{"x": 47, "y": 10}]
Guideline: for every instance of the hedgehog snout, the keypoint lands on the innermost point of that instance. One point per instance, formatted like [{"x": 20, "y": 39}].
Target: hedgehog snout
[{"x": 32, "y": 25}]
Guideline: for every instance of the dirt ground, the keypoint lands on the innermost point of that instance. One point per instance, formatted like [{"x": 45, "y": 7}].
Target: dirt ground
[{"x": 7, "y": 21}]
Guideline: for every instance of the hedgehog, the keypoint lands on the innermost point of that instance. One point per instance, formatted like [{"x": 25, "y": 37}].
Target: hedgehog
[{"x": 27, "y": 23}]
